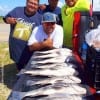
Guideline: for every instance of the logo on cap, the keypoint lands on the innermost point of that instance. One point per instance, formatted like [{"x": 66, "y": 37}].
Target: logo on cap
[{"x": 49, "y": 17}]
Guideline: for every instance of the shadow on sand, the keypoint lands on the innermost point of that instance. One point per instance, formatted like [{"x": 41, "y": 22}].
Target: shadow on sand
[{"x": 10, "y": 77}]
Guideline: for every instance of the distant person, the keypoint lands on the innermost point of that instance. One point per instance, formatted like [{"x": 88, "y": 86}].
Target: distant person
[
  {"x": 51, "y": 7},
  {"x": 70, "y": 14},
  {"x": 47, "y": 36},
  {"x": 22, "y": 20}
]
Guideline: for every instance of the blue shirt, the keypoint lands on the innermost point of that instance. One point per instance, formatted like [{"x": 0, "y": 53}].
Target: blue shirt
[{"x": 56, "y": 11}]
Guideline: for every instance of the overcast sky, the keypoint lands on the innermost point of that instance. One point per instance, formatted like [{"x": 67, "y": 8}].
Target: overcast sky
[{"x": 7, "y": 5}]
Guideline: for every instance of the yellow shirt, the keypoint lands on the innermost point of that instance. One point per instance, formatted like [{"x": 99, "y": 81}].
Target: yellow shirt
[{"x": 68, "y": 18}]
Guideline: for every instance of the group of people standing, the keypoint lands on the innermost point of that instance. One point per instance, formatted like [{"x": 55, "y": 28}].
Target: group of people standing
[{"x": 42, "y": 27}]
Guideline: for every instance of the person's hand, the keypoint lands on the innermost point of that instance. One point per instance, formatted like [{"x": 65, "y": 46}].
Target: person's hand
[
  {"x": 11, "y": 20},
  {"x": 48, "y": 43},
  {"x": 42, "y": 6},
  {"x": 96, "y": 44}
]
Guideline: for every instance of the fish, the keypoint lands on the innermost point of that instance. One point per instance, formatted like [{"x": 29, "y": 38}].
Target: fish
[
  {"x": 67, "y": 80},
  {"x": 58, "y": 57},
  {"x": 62, "y": 50},
  {"x": 56, "y": 96},
  {"x": 51, "y": 55},
  {"x": 48, "y": 72},
  {"x": 49, "y": 90},
  {"x": 55, "y": 66},
  {"x": 50, "y": 60},
  {"x": 61, "y": 96},
  {"x": 43, "y": 66}
]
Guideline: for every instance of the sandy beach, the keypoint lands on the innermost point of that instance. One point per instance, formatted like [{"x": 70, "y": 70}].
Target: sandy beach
[{"x": 4, "y": 32}]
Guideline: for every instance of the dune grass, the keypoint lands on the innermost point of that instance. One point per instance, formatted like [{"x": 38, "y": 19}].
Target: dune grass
[
  {"x": 8, "y": 72},
  {"x": 1, "y": 19}
]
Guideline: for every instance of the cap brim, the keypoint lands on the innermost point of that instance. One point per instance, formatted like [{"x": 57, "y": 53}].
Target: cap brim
[{"x": 48, "y": 21}]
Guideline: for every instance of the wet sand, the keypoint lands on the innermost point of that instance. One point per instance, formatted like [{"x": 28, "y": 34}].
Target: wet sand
[{"x": 4, "y": 32}]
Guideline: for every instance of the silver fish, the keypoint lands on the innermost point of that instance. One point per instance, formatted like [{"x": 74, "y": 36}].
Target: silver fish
[
  {"x": 50, "y": 60},
  {"x": 48, "y": 72},
  {"x": 69, "y": 90},
  {"x": 55, "y": 66},
  {"x": 67, "y": 80},
  {"x": 61, "y": 52},
  {"x": 51, "y": 55},
  {"x": 61, "y": 96},
  {"x": 53, "y": 50},
  {"x": 44, "y": 66}
]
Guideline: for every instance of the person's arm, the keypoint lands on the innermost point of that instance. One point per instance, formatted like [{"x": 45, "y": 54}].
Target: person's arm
[
  {"x": 55, "y": 42},
  {"x": 10, "y": 20},
  {"x": 47, "y": 44},
  {"x": 37, "y": 41},
  {"x": 42, "y": 7}
]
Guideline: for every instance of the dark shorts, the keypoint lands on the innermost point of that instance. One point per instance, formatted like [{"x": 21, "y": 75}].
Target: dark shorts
[{"x": 25, "y": 57}]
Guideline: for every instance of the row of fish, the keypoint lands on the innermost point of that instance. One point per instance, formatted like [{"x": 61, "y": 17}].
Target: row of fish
[
  {"x": 51, "y": 56},
  {"x": 62, "y": 51},
  {"x": 63, "y": 82},
  {"x": 66, "y": 79},
  {"x": 51, "y": 90},
  {"x": 52, "y": 65},
  {"x": 63, "y": 71}
]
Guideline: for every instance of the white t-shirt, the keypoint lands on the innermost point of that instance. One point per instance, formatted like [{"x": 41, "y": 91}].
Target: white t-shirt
[{"x": 38, "y": 35}]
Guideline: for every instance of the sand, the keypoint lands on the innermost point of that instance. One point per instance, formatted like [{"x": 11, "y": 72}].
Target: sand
[{"x": 4, "y": 32}]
